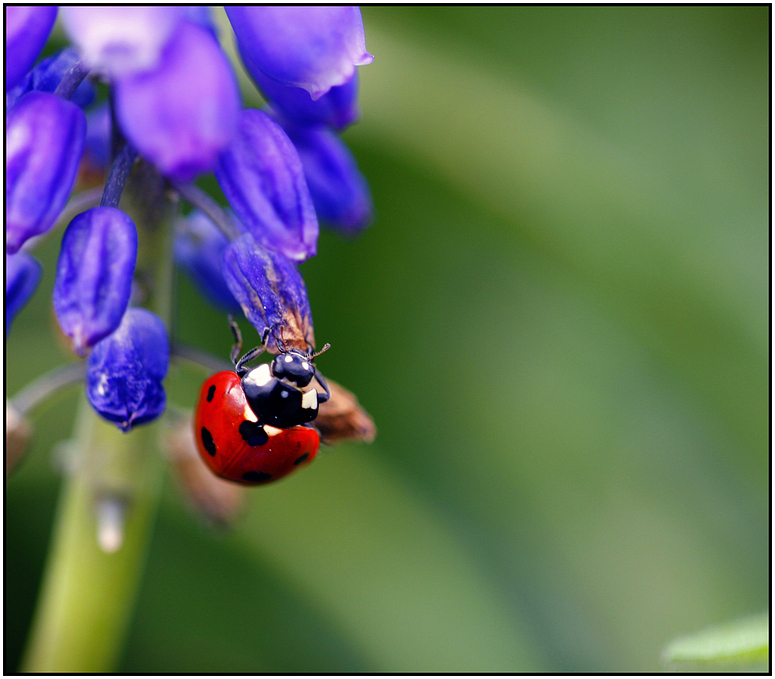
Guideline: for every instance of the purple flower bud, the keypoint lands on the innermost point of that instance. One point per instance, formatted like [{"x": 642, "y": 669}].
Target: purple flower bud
[
  {"x": 94, "y": 275},
  {"x": 199, "y": 248},
  {"x": 339, "y": 191},
  {"x": 337, "y": 108},
  {"x": 26, "y": 31},
  {"x": 47, "y": 75},
  {"x": 315, "y": 48},
  {"x": 269, "y": 288},
  {"x": 44, "y": 137},
  {"x": 183, "y": 113},
  {"x": 22, "y": 275},
  {"x": 202, "y": 15},
  {"x": 99, "y": 127},
  {"x": 124, "y": 372},
  {"x": 262, "y": 178},
  {"x": 121, "y": 40}
]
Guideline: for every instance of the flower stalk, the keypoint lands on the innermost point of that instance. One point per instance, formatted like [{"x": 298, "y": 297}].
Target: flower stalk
[
  {"x": 110, "y": 493},
  {"x": 88, "y": 592}
]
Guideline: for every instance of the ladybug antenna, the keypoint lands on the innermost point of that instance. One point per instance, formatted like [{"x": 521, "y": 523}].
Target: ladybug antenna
[{"x": 326, "y": 347}]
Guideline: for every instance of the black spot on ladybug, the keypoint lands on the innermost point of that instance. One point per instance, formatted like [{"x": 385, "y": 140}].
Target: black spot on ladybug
[
  {"x": 210, "y": 393},
  {"x": 256, "y": 476},
  {"x": 301, "y": 459},
  {"x": 253, "y": 433},
  {"x": 207, "y": 441}
]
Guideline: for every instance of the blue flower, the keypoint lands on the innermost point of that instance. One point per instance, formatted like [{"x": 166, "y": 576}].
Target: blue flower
[
  {"x": 337, "y": 108},
  {"x": 199, "y": 248},
  {"x": 47, "y": 75},
  {"x": 22, "y": 275},
  {"x": 94, "y": 275},
  {"x": 261, "y": 175},
  {"x": 173, "y": 101},
  {"x": 121, "y": 40},
  {"x": 315, "y": 48},
  {"x": 26, "y": 30},
  {"x": 124, "y": 372},
  {"x": 182, "y": 113},
  {"x": 339, "y": 191},
  {"x": 269, "y": 288},
  {"x": 99, "y": 128},
  {"x": 44, "y": 136}
]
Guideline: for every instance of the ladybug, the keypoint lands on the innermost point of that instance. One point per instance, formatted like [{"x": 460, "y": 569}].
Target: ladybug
[
  {"x": 248, "y": 421},
  {"x": 236, "y": 446}
]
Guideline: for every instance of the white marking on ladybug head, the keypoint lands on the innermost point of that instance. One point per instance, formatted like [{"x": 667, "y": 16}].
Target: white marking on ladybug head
[
  {"x": 259, "y": 376},
  {"x": 289, "y": 359},
  {"x": 309, "y": 399},
  {"x": 283, "y": 394},
  {"x": 305, "y": 365},
  {"x": 271, "y": 431}
]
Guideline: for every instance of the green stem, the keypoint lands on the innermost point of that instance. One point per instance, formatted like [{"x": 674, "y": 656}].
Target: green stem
[
  {"x": 88, "y": 593},
  {"x": 110, "y": 495}
]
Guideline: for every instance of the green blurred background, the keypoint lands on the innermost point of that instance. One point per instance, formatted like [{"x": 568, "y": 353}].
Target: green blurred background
[{"x": 559, "y": 321}]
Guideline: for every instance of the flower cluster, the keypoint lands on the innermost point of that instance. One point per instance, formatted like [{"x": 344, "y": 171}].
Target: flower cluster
[{"x": 174, "y": 106}]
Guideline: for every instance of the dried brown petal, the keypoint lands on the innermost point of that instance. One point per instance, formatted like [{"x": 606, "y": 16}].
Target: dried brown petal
[
  {"x": 218, "y": 501},
  {"x": 341, "y": 418},
  {"x": 17, "y": 434}
]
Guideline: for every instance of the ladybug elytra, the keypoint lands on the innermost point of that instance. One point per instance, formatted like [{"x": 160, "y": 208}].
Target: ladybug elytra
[{"x": 249, "y": 422}]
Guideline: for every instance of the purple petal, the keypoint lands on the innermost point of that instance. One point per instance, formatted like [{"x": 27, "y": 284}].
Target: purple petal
[
  {"x": 337, "y": 108},
  {"x": 96, "y": 152},
  {"x": 47, "y": 75},
  {"x": 262, "y": 178},
  {"x": 124, "y": 372},
  {"x": 199, "y": 248},
  {"x": 315, "y": 48},
  {"x": 22, "y": 275},
  {"x": 270, "y": 290},
  {"x": 183, "y": 113},
  {"x": 44, "y": 136},
  {"x": 202, "y": 15},
  {"x": 94, "y": 275},
  {"x": 339, "y": 191},
  {"x": 26, "y": 31},
  {"x": 121, "y": 40}
]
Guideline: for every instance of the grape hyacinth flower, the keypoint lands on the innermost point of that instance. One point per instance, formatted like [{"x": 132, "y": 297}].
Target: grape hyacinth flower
[
  {"x": 199, "y": 249},
  {"x": 253, "y": 272},
  {"x": 124, "y": 372},
  {"x": 26, "y": 31},
  {"x": 163, "y": 109},
  {"x": 261, "y": 175},
  {"x": 340, "y": 193},
  {"x": 47, "y": 75},
  {"x": 44, "y": 136},
  {"x": 94, "y": 275},
  {"x": 22, "y": 275},
  {"x": 315, "y": 48}
]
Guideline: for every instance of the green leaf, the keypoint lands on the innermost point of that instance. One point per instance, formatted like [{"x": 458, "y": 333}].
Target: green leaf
[{"x": 741, "y": 645}]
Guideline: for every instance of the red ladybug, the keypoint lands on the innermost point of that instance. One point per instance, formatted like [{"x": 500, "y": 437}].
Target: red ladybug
[{"x": 236, "y": 446}]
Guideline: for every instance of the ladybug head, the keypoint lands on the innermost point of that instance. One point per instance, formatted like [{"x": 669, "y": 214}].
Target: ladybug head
[{"x": 295, "y": 366}]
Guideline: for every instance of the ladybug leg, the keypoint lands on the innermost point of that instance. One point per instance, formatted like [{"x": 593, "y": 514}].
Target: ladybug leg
[
  {"x": 237, "y": 346},
  {"x": 239, "y": 366},
  {"x": 265, "y": 334},
  {"x": 322, "y": 398}
]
